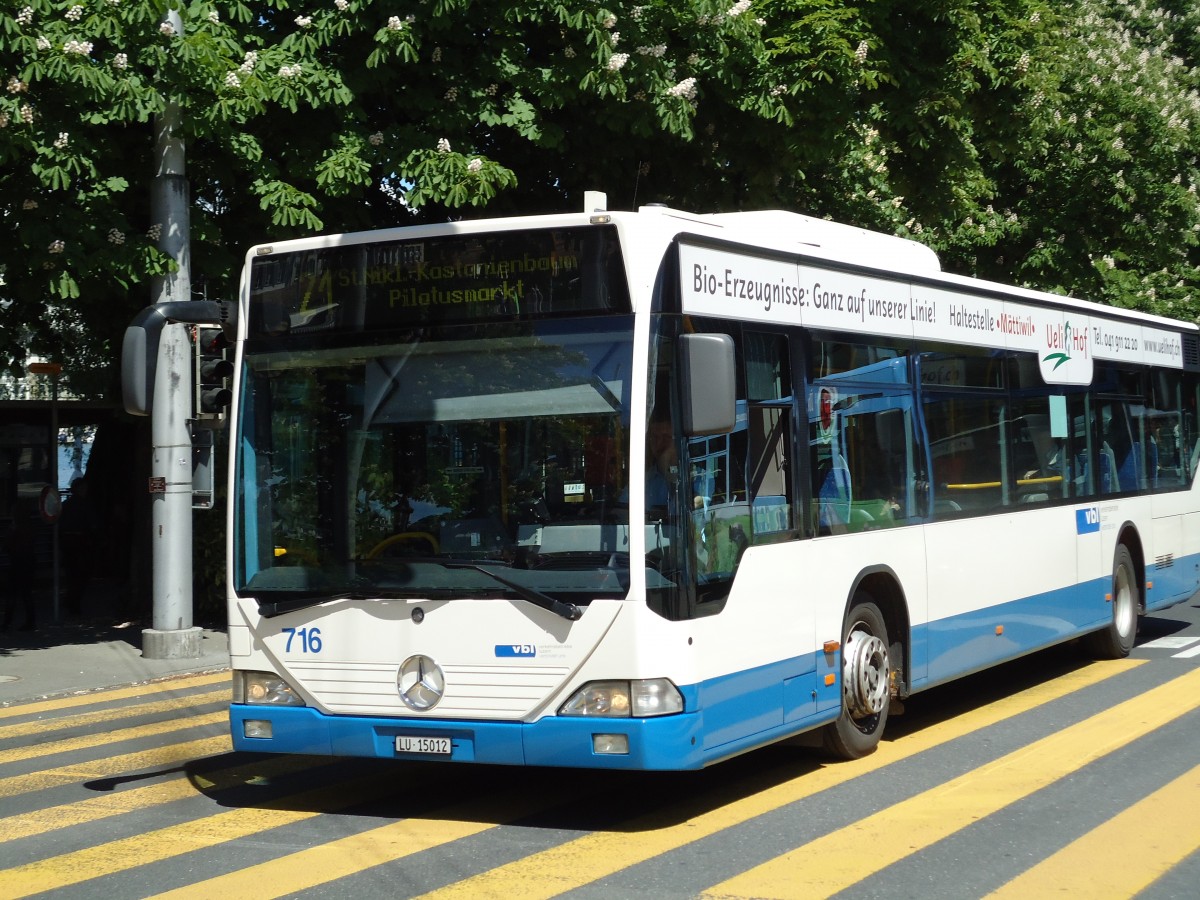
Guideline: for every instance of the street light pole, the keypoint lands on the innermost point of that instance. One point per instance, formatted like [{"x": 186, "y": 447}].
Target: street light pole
[{"x": 173, "y": 635}]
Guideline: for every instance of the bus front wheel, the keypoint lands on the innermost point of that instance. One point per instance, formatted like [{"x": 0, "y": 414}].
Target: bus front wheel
[
  {"x": 866, "y": 683},
  {"x": 1115, "y": 641}
]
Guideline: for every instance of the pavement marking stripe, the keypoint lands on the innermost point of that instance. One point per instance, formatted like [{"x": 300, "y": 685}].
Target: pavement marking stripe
[
  {"x": 592, "y": 857},
  {"x": 1125, "y": 855},
  {"x": 102, "y": 716},
  {"x": 836, "y": 861},
  {"x": 1171, "y": 642},
  {"x": 168, "y": 756},
  {"x": 118, "y": 802},
  {"x": 388, "y": 842},
  {"x": 85, "y": 742},
  {"x": 1187, "y": 654},
  {"x": 94, "y": 809},
  {"x": 356, "y": 853},
  {"x": 107, "y": 696}
]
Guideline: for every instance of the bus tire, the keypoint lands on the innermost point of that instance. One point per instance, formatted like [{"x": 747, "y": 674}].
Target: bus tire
[
  {"x": 1115, "y": 641},
  {"x": 866, "y": 683}
]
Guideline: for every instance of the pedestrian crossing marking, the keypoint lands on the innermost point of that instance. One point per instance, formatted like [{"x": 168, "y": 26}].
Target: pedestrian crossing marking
[
  {"x": 121, "y": 855},
  {"x": 1159, "y": 832},
  {"x": 97, "y": 739},
  {"x": 592, "y": 857},
  {"x": 116, "y": 802},
  {"x": 57, "y": 704},
  {"x": 109, "y": 766},
  {"x": 836, "y": 861},
  {"x": 356, "y": 853},
  {"x": 103, "y": 716},
  {"x": 910, "y": 825},
  {"x": 1170, "y": 642}
]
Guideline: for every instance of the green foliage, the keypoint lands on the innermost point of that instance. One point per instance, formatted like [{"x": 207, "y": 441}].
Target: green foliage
[
  {"x": 1053, "y": 144},
  {"x": 1021, "y": 139}
]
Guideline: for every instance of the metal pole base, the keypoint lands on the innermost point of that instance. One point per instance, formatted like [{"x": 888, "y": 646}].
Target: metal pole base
[{"x": 183, "y": 643}]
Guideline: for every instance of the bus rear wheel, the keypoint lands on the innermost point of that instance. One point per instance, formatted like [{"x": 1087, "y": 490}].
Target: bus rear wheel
[
  {"x": 866, "y": 683},
  {"x": 1115, "y": 641}
]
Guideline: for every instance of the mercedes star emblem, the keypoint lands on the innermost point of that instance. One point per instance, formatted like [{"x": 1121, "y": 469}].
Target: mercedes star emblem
[{"x": 421, "y": 683}]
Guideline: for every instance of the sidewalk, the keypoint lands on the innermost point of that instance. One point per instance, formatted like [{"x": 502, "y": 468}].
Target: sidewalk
[
  {"x": 91, "y": 652},
  {"x": 67, "y": 659}
]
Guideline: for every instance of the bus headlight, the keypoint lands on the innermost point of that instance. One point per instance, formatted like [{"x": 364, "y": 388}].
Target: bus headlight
[
  {"x": 263, "y": 689},
  {"x": 625, "y": 699}
]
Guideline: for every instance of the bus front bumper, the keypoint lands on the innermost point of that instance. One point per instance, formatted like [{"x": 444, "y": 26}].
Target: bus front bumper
[{"x": 666, "y": 742}]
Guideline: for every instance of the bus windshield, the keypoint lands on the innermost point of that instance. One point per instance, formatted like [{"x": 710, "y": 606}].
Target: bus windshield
[{"x": 436, "y": 462}]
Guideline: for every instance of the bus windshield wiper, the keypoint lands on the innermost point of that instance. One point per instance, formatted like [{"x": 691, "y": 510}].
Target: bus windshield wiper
[
  {"x": 268, "y": 609},
  {"x": 537, "y": 598}
]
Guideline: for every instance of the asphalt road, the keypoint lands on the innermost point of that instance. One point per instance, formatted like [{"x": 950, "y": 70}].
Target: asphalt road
[{"x": 1050, "y": 776}]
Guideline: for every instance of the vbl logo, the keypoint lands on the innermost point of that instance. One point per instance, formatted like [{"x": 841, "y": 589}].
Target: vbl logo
[
  {"x": 515, "y": 650},
  {"x": 1087, "y": 520}
]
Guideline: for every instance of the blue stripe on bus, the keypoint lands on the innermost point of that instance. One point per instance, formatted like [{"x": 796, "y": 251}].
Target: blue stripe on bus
[{"x": 726, "y": 715}]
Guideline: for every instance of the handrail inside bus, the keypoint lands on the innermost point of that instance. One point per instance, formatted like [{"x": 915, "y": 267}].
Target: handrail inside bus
[{"x": 981, "y": 485}]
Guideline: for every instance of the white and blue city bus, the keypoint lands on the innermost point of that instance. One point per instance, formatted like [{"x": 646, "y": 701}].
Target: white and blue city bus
[{"x": 646, "y": 490}]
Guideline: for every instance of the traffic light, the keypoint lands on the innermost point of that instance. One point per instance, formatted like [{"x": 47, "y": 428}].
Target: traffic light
[{"x": 213, "y": 371}]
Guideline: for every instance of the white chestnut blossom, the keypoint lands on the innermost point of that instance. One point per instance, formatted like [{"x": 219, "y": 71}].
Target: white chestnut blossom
[
  {"x": 166, "y": 28},
  {"x": 232, "y": 80},
  {"x": 474, "y": 166},
  {"x": 57, "y": 246},
  {"x": 292, "y": 71},
  {"x": 443, "y": 145},
  {"x": 303, "y": 21},
  {"x": 616, "y": 61},
  {"x": 376, "y": 139},
  {"x": 155, "y": 231},
  {"x": 61, "y": 142},
  {"x": 43, "y": 43},
  {"x": 81, "y": 48},
  {"x": 29, "y": 204},
  {"x": 16, "y": 85},
  {"x": 116, "y": 236},
  {"x": 341, "y": 5},
  {"x": 75, "y": 13},
  {"x": 25, "y": 16},
  {"x": 120, "y": 62},
  {"x": 738, "y": 8},
  {"x": 26, "y": 113},
  {"x": 685, "y": 89}
]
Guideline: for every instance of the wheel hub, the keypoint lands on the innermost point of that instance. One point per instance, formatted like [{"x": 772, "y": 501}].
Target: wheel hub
[{"x": 865, "y": 674}]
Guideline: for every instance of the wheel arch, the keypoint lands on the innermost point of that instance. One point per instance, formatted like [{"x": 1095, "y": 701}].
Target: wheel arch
[{"x": 883, "y": 585}]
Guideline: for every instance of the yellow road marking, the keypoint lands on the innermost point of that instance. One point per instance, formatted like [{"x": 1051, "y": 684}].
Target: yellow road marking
[
  {"x": 112, "y": 714},
  {"x": 357, "y": 853},
  {"x": 117, "y": 856},
  {"x": 171, "y": 755},
  {"x": 1125, "y": 855},
  {"x": 117, "y": 802},
  {"x": 111, "y": 737},
  {"x": 595, "y": 856},
  {"x": 139, "y": 690},
  {"x": 392, "y": 841},
  {"x": 836, "y": 861}
]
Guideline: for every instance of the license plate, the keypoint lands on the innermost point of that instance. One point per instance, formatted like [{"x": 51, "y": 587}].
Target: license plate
[{"x": 435, "y": 746}]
